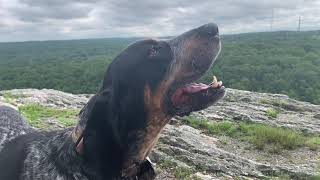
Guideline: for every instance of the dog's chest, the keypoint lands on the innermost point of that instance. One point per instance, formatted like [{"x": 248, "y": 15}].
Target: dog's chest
[{"x": 42, "y": 161}]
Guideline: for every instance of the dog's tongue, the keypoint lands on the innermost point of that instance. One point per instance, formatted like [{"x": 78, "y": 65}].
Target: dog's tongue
[
  {"x": 193, "y": 88},
  {"x": 181, "y": 94}
]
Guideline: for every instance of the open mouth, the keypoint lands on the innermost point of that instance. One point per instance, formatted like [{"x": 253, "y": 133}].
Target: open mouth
[
  {"x": 194, "y": 53},
  {"x": 193, "y": 97}
]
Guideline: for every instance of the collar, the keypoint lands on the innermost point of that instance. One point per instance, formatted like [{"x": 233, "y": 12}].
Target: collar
[{"x": 77, "y": 138}]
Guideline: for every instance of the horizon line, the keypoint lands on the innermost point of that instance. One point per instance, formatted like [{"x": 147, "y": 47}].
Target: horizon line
[{"x": 145, "y": 37}]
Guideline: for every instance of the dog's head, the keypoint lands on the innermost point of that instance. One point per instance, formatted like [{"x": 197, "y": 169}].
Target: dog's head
[
  {"x": 161, "y": 73},
  {"x": 147, "y": 84}
]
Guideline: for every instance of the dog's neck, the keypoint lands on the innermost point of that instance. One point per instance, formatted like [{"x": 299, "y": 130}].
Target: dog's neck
[
  {"x": 112, "y": 138},
  {"x": 131, "y": 129}
]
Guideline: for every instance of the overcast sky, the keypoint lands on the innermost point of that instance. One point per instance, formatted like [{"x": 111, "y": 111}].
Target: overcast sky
[{"x": 22, "y": 20}]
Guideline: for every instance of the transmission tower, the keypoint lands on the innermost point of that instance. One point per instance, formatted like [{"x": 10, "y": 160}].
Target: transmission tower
[
  {"x": 272, "y": 20},
  {"x": 299, "y": 24}
]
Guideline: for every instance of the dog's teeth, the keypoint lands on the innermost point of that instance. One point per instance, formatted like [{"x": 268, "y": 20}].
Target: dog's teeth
[
  {"x": 215, "y": 85},
  {"x": 214, "y": 81}
]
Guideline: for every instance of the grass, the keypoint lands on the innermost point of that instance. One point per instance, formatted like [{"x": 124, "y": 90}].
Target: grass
[
  {"x": 67, "y": 122},
  {"x": 288, "y": 177},
  {"x": 178, "y": 171},
  {"x": 272, "y": 113},
  {"x": 313, "y": 143},
  {"x": 316, "y": 177},
  {"x": 8, "y": 95},
  {"x": 10, "y": 98},
  {"x": 275, "y": 139},
  {"x": 35, "y": 114},
  {"x": 222, "y": 128},
  {"x": 278, "y": 138}
]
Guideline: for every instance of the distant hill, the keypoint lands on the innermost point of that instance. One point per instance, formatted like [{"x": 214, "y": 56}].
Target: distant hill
[
  {"x": 75, "y": 66},
  {"x": 276, "y": 62}
]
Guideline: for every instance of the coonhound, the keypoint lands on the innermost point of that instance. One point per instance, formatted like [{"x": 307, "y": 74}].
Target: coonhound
[{"x": 143, "y": 88}]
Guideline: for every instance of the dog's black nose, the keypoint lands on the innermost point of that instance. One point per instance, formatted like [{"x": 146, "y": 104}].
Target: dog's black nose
[{"x": 210, "y": 29}]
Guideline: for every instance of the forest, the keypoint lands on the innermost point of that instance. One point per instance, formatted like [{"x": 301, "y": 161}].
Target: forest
[{"x": 276, "y": 62}]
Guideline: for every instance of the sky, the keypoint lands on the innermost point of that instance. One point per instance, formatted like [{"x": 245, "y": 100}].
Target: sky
[{"x": 25, "y": 20}]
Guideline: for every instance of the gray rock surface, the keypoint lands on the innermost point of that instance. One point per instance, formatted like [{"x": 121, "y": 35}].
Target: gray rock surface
[
  {"x": 239, "y": 105},
  {"x": 44, "y": 97},
  {"x": 205, "y": 156}
]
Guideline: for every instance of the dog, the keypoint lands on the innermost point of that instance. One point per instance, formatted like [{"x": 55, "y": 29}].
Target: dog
[{"x": 146, "y": 85}]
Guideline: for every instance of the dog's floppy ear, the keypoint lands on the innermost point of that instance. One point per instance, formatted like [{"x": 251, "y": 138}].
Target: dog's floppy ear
[
  {"x": 97, "y": 113},
  {"x": 101, "y": 142}
]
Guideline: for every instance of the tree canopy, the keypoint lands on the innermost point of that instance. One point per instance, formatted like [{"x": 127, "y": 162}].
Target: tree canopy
[{"x": 275, "y": 62}]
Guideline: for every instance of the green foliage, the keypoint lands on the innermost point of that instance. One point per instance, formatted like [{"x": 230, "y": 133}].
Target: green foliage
[
  {"x": 35, "y": 115},
  {"x": 75, "y": 66},
  {"x": 275, "y": 62},
  {"x": 272, "y": 113},
  {"x": 316, "y": 177},
  {"x": 178, "y": 171},
  {"x": 221, "y": 128},
  {"x": 66, "y": 121},
  {"x": 9, "y": 97},
  {"x": 288, "y": 177},
  {"x": 260, "y": 135},
  {"x": 182, "y": 172},
  {"x": 278, "y": 138},
  {"x": 166, "y": 164},
  {"x": 313, "y": 143}
]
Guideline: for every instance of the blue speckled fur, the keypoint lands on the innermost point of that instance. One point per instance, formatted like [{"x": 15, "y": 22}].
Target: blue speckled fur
[
  {"x": 48, "y": 155},
  {"x": 12, "y": 124}
]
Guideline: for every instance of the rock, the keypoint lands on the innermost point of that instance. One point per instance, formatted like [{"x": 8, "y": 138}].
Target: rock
[
  {"x": 46, "y": 97},
  {"x": 204, "y": 177},
  {"x": 317, "y": 116},
  {"x": 205, "y": 155},
  {"x": 7, "y": 104},
  {"x": 248, "y": 106}
]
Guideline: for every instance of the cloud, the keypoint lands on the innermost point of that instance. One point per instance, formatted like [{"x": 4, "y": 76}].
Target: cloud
[
  {"x": 39, "y": 10},
  {"x": 66, "y": 19}
]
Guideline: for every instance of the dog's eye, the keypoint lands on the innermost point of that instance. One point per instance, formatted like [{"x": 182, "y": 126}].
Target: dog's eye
[{"x": 154, "y": 51}]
